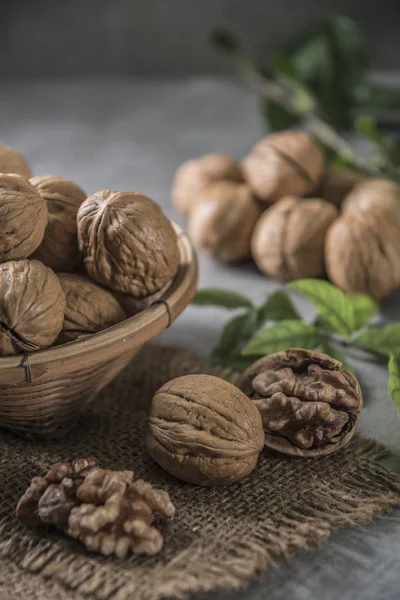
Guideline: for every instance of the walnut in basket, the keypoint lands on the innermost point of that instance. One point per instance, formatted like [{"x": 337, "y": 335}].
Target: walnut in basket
[
  {"x": 59, "y": 248},
  {"x": 32, "y": 306},
  {"x": 128, "y": 244},
  {"x": 381, "y": 194},
  {"x": 12, "y": 161},
  {"x": 90, "y": 308}
]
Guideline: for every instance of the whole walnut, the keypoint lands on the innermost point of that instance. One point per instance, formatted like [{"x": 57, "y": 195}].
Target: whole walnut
[
  {"x": 12, "y": 161},
  {"x": 337, "y": 183},
  {"x": 223, "y": 222},
  {"x": 193, "y": 176},
  {"x": 309, "y": 405},
  {"x": 204, "y": 430},
  {"x": 128, "y": 244},
  {"x": 362, "y": 252},
  {"x": 59, "y": 248},
  {"x": 282, "y": 164},
  {"x": 380, "y": 193},
  {"x": 23, "y": 217},
  {"x": 90, "y": 308},
  {"x": 133, "y": 306},
  {"x": 288, "y": 240},
  {"x": 32, "y": 306}
]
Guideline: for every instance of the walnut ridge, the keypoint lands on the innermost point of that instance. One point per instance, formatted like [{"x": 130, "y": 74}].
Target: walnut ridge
[
  {"x": 204, "y": 430},
  {"x": 12, "y": 161},
  {"x": 309, "y": 405},
  {"x": 128, "y": 244}
]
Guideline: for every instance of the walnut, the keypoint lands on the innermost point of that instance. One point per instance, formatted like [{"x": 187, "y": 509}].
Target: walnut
[
  {"x": 133, "y": 306},
  {"x": 23, "y": 217},
  {"x": 90, "y": 308},
  {"x": 309, "y": 405},
  {"x": 380, "y": 193},
  {"x": 128, "y": 244},
  {"x": 32, "y": 306},
  {"x": 337, "y": 183},
  {"x": 193, "y": 177},
  {"x": 223, "y": 222},
  {"x": 288, "y": 240},
  {"x": 362, "y": 252},
  {"x": 59, "y": 248},
  {"x": 12, "y": 161},
  {"x": 204, "y": 430},
  {"x": 282, "y": 164}
]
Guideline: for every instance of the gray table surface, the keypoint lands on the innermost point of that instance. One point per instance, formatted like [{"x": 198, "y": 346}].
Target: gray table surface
[{"x": 133, "y": 134}]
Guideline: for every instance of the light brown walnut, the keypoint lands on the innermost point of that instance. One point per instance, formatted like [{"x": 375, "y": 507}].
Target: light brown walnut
[
  {"x": 133, "y": 306},
  {"x": 362, "y": 252},
  {"x": 204, "y": 430},
  {"x": 282, "y": 164},
  {"x": 337, "y": 183},
  {"x": 23, "y": 217},
  {"x": 90, "y": 308},
  {"x": 128, "y": 244},
  {"x": 12, "y": 161},
  {"x": 193, "y": 177},
  {"x": 32, "y": 306},
  {"x": 309, "y": 405},
  {"x": 59, "y": 248},
  {"x": 288, "y": 240},
  {"x": 381, "y": 194},
  {"x": 223, "y": 222}
]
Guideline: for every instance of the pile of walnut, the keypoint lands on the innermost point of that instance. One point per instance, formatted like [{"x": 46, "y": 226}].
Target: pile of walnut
[
  {"x": 293, "y": 216},
  {"x": 71, "y": 264}
]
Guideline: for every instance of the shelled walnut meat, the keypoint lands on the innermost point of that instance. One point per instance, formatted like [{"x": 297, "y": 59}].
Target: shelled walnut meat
[
  {"x": 128, "y": 244},
  {"x": 193, "y": 177},
  {"x": 90, "y": 308},
  {"x": 362, "y": 252},
  {"x": 281, "y": 164},
  {"x": 12, "y": 161},
  {"x": 288, "y": 240},
  {"x": 223, "y": 222},
  {"x": 59, "y": 248},
  {"x": 309, "y": 405},
  {"x": 381, "y": 194},
  {"x": 32, "y": 306},
  {"x": 204, "y": 430},
  {"x": 23, "y": 217},
  {"x": 105, "y": 510}
]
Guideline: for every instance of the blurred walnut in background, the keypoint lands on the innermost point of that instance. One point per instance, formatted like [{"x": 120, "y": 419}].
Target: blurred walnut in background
[
  {"x": 337, "y": 183},
  {"x": 12, "y": 161},
  {"x": 59, "y": 248},
  {"x": 379, "y": 193}
]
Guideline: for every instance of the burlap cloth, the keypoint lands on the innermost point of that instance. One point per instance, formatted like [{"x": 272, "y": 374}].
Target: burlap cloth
[{"x": 220, "y": 537}]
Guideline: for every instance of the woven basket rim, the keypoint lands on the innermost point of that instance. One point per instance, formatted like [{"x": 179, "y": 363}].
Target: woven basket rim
[{"x": 141, "y": 327}]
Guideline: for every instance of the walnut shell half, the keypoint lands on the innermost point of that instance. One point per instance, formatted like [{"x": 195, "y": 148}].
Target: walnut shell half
[
  {"x": 288, "y": 240},
  {"x": 309, "y": 405},
  {"x": 32, "y": 306},
  {"x": 204, "y": 430},
  {"x": 128, "y": 244},
  {"x": 12, "y": 161},
  {"x": 59, "y": 248},
  {"x": 23, "y": 217}
]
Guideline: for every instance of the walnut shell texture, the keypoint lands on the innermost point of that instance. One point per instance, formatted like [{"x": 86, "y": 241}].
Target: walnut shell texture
[
  {"x": 337, "y": 183},
  {"x": 128, "y": 244},
  {"x": 309, "y": 405},
  {"x": 133, "y": 306},
  {"x": 380, "y": 193},
  {"x": 223, "y": 222},
  {"x": 194, "y": 175},
  {"x": 23, "y": 217},
  {"x": 90, "y": 308},
  {"x": 12, "y": 161},
  {"x": 204, "y": 430},
  {"x": 282, "y": 164},
  {"x": 32, "y": 306},
  {"x": 59, "y": 248},
  {"x": 288, "y": 240},
  {"x": 362, "y": 252}
]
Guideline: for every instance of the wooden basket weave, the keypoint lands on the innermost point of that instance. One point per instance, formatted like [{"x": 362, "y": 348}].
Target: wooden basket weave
[{"x": 43, "y": 393}]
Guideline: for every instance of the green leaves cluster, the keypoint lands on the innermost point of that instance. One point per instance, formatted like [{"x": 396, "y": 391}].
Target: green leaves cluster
[{"x": 342, "y": 324}]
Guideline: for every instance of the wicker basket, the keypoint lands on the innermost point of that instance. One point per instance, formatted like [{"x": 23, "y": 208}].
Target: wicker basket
[{"x": 43, "y": 393}]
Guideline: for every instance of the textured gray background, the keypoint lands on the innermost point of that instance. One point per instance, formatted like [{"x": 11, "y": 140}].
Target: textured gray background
[{"x": 164, "y": 37}]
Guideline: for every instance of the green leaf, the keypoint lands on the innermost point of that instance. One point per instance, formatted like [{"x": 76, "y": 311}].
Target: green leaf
[
  {"x": 335, "y": 310},
  {"x": 337, "y": 354},
  {"x": 372, "y": 96},
  {"x": 285, "y": 334},
  {"x": 224, "y": 41},
  {"x": 394, "y": 380},
  {"x": 220, "y": 297},
  {"x": 277, "y": 117},
  {"x": 236, "y": 362},
  {"x": 366, "y": 125},
  {"x": 277, "y": 307},
  {"x": 364, "y": 309},
  {"x": 385, "y": 340},
  {"x": 283, "y": 64},
  {"x": 235, "y": 333}
]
